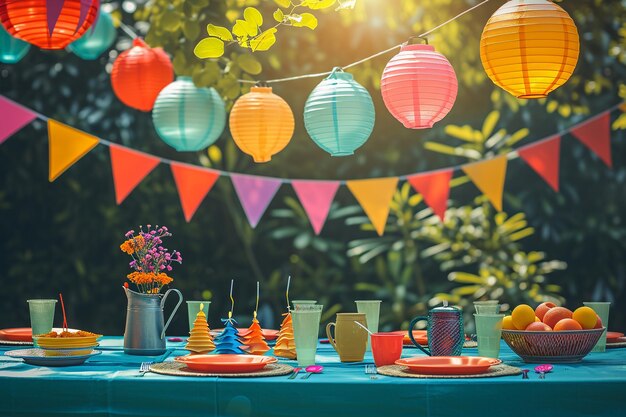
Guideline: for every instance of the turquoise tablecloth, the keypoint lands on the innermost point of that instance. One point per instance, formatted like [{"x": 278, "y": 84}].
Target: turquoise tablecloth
[{"x": 107, "y": 386}]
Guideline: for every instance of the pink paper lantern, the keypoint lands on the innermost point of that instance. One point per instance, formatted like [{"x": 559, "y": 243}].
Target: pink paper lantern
[{"x": 419, "y": 86}]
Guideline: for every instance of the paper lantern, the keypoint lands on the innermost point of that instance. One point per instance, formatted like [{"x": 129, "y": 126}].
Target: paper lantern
[
  {"x": 419, "y": 86},
  {"x": 12, "y": 50},
  {"x": 139, "y": 74},
  {"x": 188, "y": 118},
  {"x": 339, "y": 114},
  {"x": 48, "y": 24},
  {"x": 98, "y": 38},
  {"x": 261, "y": 123},
  {"x": 529, "y": 48}
]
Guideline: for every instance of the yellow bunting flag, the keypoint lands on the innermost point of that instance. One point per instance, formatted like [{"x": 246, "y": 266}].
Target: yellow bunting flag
[
  {"x": 66, "y": 146},
  {"x": 375, "y": 196},
  {"x": 488, "y": 176}
]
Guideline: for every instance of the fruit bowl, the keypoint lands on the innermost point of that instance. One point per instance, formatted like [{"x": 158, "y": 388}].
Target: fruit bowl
[{"x": 568, "y": 346}]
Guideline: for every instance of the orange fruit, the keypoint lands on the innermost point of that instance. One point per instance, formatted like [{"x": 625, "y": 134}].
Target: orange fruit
[
  {"x": 556, "y": 314},
  {"x": 507, "y": 323},
  {"x": 567, "y": 324},
  {"x": 543, "y": 308},
  {"x": 586, "y": 317},
  {"x": 539, "y": 327},
  {"x": 522, "y": 316},
  {"x": 598, "y": 323}
]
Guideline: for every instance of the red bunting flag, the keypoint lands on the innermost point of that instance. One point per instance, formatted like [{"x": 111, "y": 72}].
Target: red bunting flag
[
  {"x": 435, "y": 188},
  {"x": 596, "y": 135},
  {"x": 316, "y": 198},
  {"x": 544, "y": 158},
  {"x": 129, "y": 168},
  {"x": 193, "y": 184}
]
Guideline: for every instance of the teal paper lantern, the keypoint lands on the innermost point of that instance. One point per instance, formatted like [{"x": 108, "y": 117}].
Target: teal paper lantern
[
  {"x": 12, "y": 50},
  {"x": 188, "y": 118},
  {"x": 96, "y": 39},
  {"x": 339, "y": 114}
]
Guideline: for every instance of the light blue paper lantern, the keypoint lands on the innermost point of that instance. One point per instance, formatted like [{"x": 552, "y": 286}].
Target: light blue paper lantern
[
  {"x": 339, "y": 114},
  {"x": 12, "y": 50},
  {"x": 188, "y": 118},
  {"x": 96, "y": 39}
]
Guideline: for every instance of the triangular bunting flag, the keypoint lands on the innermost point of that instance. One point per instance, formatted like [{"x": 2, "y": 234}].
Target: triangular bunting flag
[
  {"x": 193, "y": 184},
  {"x": 596, "y": 135},
  {"x": 14, "y": 117},
  {"x": 375, "y": 196},
  {"x": 544, "y": 158},
  {"x": 129, "y": 168},
  {"x": 255, "y": 194},
  {"x": 316, "y": 198},
  {"x": 435, "y": 188},
  {"x": 66, "y": 146},
  {"x": 488, "y": 176}
]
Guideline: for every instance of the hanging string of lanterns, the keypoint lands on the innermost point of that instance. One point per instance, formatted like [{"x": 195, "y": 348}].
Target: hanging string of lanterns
[{"x": 97, "y": 39}]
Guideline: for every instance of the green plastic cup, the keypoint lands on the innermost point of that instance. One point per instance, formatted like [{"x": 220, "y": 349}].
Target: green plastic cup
[
  {"x": 302, "y": 302},
  {"x": 193, "y": 308},
  {"x": 487, "y": 307},
  {"x": 41, "y": 315},
  {"x": 371, "y": 308},
  {"x": 602, "y": 309},
  {"x": 306, "y": 325},
  {"x": 489, "y": 332}
]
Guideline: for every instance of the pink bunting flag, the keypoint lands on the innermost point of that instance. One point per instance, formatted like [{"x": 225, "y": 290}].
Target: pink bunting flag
[
  {"x": 13, "y": 117},
  {"x": 316, "y": 198},
  {"x": 53, "y": 11},
  {"x": 544, "y": 158},
  {"x": 435, "y": 188},
  {"x": 596, "y": 135},
  {"x": 255, "y": 194}
]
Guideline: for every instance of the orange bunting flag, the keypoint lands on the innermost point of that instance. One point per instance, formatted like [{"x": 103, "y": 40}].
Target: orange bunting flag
[
  {"x": 544, "y": 158},
  {"x": 596, "y": 135},
  {"x": 66, "y": 146},
  {"x": 375, "y": 195},
  {"x": 193, "y": 184},
  {"x": 129, "y": 169},
  {"x": 488, "y": 176},
  {"x": 435, "y": 188}
]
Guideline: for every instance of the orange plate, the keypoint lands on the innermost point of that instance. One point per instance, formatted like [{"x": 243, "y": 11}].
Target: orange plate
[
  {"x": 268, "y": 334},
  {"x": 225, "y": 363},
  {"x": 21, "y": 334},
  {"x": 611, "y": 337},
  {"x": 421, "y": 336},
  {"x": 448, "y": 365}
]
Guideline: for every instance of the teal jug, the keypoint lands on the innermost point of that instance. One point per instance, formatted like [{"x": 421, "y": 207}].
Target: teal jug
[{"x": 445, "y": 331}]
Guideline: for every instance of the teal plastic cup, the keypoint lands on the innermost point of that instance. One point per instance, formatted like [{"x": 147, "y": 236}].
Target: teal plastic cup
[
  {"x": 306, "y": 325},
  {"x": 193, "y": 308},
  {"x": 489, "y": 332},
  {"x": 302, "y": 302},
  {"x": 602, "y": 309},
  {"x": 371, "y": 309},
  {"x": 41, "y": 315},
  {"x": 487, "y": 307}
]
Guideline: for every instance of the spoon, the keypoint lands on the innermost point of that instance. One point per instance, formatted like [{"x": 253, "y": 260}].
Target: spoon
[
  {"x": 313, "y": 369},
  {"x": 366, "y": 329},
  {"x": 542, "y": 370}
]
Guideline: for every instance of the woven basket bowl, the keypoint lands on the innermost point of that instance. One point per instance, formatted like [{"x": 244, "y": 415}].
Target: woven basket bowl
[{"x": 569, "y": 346}]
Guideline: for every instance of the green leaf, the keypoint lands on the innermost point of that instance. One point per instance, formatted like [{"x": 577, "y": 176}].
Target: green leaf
[
  {"x": 171, "y": 21},
  {"x": 219, "y": 32},
  {"x": 209, "y": 48},
  {"x": 449, "y": 150},
  {"x": 191, "y": 30},
  {"x": 264, "y": 41},
  {"x": 465, "y": 133},
  {"x": 465, "y": 278},
  {"x": 307, "y": 20},
  {"x": 252, "y": 15},
  {"x": 243, "y": 28},
  {"x": 249, "y": 64},
  {"x": 517, "y": 136},
  {"x": 318, "y": 4},
  {"x": 279, "y": 16},
  {"x": 283, "y": 3},
  {"x": 490, "y": 123}
]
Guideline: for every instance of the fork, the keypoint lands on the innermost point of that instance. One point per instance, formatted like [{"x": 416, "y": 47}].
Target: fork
[
  {"x": 371, "y": 371},
  {"x": 144, "y": 368}
]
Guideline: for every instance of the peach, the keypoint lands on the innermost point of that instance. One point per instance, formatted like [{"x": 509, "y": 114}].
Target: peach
[
  {"x": 539, "y": 327},
  {"x": 598, "y": 323},
  {"x": 556, "y": 314},
  {"x": 567, "y": 324},
  {"x": 543, "y": 308}
]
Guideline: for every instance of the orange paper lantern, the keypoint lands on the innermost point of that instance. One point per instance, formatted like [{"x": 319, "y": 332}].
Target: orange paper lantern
[
  {"x": 529, "y": 47},
  {"x": 48, "y": 24},
  {"x": 139, "y": 74},
  {"x": 261, "y": 123}
]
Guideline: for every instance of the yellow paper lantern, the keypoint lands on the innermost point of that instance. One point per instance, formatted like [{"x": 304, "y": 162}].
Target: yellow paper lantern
[
  {"x": 261, "y": 123},
  {"x": 529, "y": 47}
]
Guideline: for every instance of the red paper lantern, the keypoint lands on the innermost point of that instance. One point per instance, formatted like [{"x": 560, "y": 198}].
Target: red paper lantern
[
  {"x": 48, "y": 24},
  {"x": 139, "y": 74},
  {"x": 419, "y": 86}
]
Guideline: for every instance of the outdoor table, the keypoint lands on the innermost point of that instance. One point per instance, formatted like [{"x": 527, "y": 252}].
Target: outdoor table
[{"x": 108, "y": 385}]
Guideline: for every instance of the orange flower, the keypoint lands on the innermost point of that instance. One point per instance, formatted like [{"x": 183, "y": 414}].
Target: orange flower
[
  {"x": 133, "y": 245},
  {"x": 148, "y": 278}
]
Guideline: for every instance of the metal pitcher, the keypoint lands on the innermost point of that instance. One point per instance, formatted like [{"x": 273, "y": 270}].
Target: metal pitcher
[
  {"x": 145, "y": 332},
  {"x": 445, "y": 331}
]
